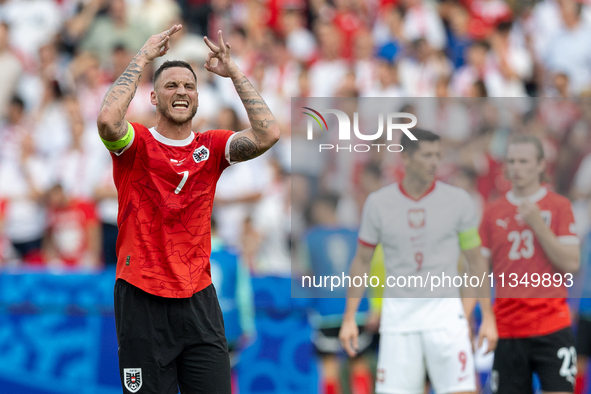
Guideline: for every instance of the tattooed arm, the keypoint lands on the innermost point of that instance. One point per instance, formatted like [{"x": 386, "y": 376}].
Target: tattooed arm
[
  {"x": 264, "y": 131},
  {"x": 111, "y": 123}
]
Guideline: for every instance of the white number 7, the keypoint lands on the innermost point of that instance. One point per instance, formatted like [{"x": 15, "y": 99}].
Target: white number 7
[{"x": 183, "y": 181}]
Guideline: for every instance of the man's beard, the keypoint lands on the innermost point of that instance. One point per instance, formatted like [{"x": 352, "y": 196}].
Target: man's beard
[{"x": 163, "y": 109}]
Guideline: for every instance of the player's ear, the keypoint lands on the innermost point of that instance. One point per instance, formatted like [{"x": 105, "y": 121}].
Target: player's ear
[{"x": 153, "y": 98}]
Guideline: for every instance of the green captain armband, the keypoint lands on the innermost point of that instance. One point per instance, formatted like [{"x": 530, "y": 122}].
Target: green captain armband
[
  {"x": 469, "y": 239},
  {"x": 123, "y": 142}
]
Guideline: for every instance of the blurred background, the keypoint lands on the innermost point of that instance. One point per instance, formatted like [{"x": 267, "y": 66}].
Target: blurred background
[{"x": 58, "y": 203}]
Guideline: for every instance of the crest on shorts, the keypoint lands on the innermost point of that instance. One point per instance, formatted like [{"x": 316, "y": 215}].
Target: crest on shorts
[
  {"x": 132, "y": 378},
  {"x": 494, "y": 381},
  {"x": 416, "y": 218},
  {"x": 201, "y": 154}
]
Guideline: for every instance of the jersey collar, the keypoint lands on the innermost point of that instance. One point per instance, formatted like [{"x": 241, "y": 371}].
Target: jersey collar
[
  {"x": 404, "y": 193},
  {"x": 537, "y": 196},
  {"x": 167, "y": 141}
]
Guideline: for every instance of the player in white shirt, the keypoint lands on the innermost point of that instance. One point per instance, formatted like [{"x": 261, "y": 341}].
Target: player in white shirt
[{"x": 422, "y": 225}]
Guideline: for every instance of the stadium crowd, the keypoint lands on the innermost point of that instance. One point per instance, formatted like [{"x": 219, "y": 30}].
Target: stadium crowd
[
  {"x": 59, "y": 58},
  {"x": 58, "y": 203}
]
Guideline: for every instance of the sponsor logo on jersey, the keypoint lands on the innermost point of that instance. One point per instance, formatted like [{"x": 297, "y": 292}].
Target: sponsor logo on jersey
[
  {"x": 416, "y": 218},
  {"x": 504, "y": 223},
  {"x": 201, "y": 154},
  {"x": 132, "y": 379}
]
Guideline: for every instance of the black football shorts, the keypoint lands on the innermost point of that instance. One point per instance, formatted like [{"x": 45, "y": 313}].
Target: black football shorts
[
  {"x": 553, "y": 357},
  {"x": 167, "y": 344},
  {"x": 584, "y": 337}
]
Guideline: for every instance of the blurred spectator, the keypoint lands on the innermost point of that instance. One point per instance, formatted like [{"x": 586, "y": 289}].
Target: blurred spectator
[
  {"x": 239, "y": 188},
  {"x": 422, "y": 21},
  {"x": 24, "y": 178},
  {"x": 188, "y": 47},
  {"x": 299, "y": 41},
  {"x": 420, "y": 71},
  {"x": 569, "y": 49},
  {"x": 479, "y": 67},
  {"x": 157, "y": 15},
  {"x": 486, "y": 15},
  {"x": 458, "y": 38},
  {"x": 91, "y": 86},
  {"x": 513, "y": 62},
  {"x": 105, "y": 195},
  {"x": 77, "y": 26},
  {"x": 11, "y": 70},
  {"x": 113, "y": 29},
  {"x": 75, "y": 168},
  {"x": 365, "y": 64},
  {"x": 388, "y": 34},
  {"x": 386, "y": 84},
  {"x": 52, "y": 134},
  {"x": 73, "y": 234},
  {"x": 271, "y": 223},
  {"x": 33, "y": 23},
  {"x": 327, "y": 72}
]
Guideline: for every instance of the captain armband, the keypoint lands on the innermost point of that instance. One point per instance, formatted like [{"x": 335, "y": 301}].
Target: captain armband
[
  {"x": 469, "y": 239},
  {"x": 123, "y": 142}
]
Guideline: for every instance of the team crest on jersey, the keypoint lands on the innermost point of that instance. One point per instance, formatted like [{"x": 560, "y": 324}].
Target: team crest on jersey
[
  {"x": 201, "y": 154},
  {"x": 416, "y": 218},
  {"x": 132, "y": 379}
]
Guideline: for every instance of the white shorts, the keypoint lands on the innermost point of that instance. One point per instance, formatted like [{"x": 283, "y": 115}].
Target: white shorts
[{"x": 445, "y": 354}]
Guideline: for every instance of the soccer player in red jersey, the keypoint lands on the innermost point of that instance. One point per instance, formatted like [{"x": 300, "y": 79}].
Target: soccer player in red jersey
[
  {"x": 529, "y": 236},
  {"x": 169, "y": 324}
]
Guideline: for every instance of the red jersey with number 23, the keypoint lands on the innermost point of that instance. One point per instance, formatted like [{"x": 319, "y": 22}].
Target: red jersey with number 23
[
  {"x": 165, "y": 191},
  {"x": 514, "y": 249}
]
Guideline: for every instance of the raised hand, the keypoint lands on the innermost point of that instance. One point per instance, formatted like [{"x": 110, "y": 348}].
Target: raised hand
[
  {"x": 225, "y": 66},
  {"x": 158, "y": 44}
]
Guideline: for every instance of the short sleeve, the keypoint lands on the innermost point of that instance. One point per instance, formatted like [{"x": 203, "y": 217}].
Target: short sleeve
[
  {"x": 565, "y": 225},
  {"x": 484, "y": 232},
  {"x": 468, "y": 218},
  {"x": 369, "y": 231},
  {"x": 221, "y": 143}
]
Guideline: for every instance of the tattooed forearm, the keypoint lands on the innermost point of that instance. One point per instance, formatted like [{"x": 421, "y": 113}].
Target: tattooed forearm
[
  {"x": 242, "y": 149},
  {"x": 117, "y": 100},
  {"x": 264, "y": 131}
]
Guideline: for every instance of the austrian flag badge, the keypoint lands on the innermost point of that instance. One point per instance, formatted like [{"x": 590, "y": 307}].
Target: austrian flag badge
[
  {"x": 132, "y": 379},
  {"x": 200, "y": 154}
]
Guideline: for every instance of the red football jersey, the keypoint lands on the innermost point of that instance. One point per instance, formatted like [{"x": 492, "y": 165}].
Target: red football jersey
[
  {"x": 513, "y": 248},
  {"x": 68, "y": 228},
  {"x": 165, "y": 191}
]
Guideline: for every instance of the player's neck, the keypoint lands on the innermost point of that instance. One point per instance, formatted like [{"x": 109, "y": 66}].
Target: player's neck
[
  {"x": 526, "y": 191},
  {"x": 173, "y": 131},
  {"x": 415, "y": 188}
]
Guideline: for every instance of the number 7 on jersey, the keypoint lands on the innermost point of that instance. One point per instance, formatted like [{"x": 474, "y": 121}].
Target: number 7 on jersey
[{"x": 185, "y": 175}]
